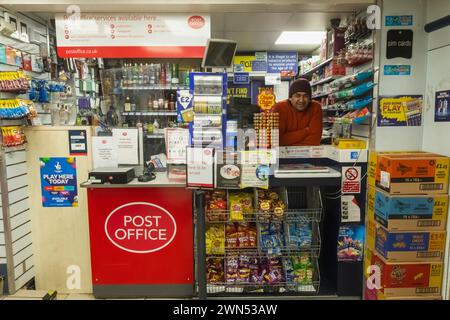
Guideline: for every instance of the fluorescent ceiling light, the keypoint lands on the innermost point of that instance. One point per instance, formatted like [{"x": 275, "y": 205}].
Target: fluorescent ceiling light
[{"x": 300, "y": 37}]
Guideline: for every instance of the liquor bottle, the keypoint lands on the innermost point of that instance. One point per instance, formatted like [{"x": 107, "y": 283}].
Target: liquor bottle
[
  {"x": 162, "y": 79},
  {"x": 127, "y": 105},
  {"x": 150, "y": 127},
  {"x": 175, "y": 79},
  {"x": 124, "y": 76},
  {"x": 168, "y": 74},
  {"x": 155, "y": 103},
  {"x": 136, "y": 75},
  {"x": 157, "y": 74},
  {"x": 129, "y": 76},
  {"x": 166, "y": 104},
  {"x": 146, "y": 76},
  {"x": 152, "y": 74},
  {"x": 150, "y": 103},
  {"x": 141, "y": 75},
  {"x": 172, "y": 102},
  {"x": 133, "y": 103},
  {"x": 155, "y": 125}
]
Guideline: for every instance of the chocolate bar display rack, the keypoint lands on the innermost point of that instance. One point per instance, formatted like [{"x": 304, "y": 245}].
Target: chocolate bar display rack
[{"x": 266, "y": 288}]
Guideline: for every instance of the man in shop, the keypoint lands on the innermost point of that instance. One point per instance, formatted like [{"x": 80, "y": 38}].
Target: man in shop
[{"x": 300, "y": 117}]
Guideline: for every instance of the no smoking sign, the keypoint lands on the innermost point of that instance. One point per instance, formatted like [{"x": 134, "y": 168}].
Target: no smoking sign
[{"x": 351, "y": 179}]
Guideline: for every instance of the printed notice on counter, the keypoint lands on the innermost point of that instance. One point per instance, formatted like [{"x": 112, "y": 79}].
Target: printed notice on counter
[
  {"x": 200, "y": 167},
  {"x": 59, "y": 182},
  {"x": 400, "y": 111},
  {"x": 351, "y": 179},
  {"x": 176, "y": 142},
  {"x": 126, "y": 141},
  {"x": 77, "y": 143},
  {"x": 350, "y": 210},
  {"x": 104, "y": 152},
  {"x": 255, "y": 176}
]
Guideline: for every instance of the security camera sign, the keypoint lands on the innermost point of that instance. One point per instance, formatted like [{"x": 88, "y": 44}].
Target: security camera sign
[
  {"x": 351, "y": 179},
  {"x": 140, "y": 227}
]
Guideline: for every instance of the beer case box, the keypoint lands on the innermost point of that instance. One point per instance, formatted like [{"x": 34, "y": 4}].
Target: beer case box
[
  {"x": 402, "y": 279},
  {"x": 409, "y": 246},
  {"x": 410, "y": 212},
  {"x": 419, "y": 173},
  {"x": 374, "y": 294}
]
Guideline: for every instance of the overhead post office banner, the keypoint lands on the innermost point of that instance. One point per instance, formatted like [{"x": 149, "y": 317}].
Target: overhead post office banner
[{"x": 132, "y": 35}]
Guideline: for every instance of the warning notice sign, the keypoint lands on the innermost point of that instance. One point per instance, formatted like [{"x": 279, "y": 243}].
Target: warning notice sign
[{"x": 351, "y": 179}]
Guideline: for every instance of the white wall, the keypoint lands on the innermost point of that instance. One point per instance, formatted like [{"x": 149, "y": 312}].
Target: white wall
[
  {"x": 403, "y": 138},
  {"x": 436, "y": 134}
]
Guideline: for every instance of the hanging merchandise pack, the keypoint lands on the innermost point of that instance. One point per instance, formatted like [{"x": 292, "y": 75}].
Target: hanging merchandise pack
[
  {"x": 16, "y": 109},
  {"x": 14, "y": 81},
  {"x": 353, "y": 92},
  {"x": 13, "y": 136},
  {"x": 351, "y": 80}
]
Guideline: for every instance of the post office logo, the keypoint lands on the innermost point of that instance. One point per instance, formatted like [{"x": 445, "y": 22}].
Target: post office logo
[{"x": 140, "y": 227}]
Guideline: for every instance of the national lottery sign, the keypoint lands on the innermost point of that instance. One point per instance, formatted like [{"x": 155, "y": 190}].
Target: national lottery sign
[{"x": 59, "y": 182}]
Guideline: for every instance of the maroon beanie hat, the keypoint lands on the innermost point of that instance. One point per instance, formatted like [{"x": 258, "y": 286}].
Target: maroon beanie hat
[{"x": 300, "y": 85}]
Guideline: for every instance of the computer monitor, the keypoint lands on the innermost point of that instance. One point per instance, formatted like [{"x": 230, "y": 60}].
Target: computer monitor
[
  {"x": 219, "y": 53},
  {"x": 242, "y": 110}
]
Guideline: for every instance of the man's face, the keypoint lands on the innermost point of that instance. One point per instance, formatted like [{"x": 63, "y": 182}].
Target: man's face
[{"x": 300, "y": 100}]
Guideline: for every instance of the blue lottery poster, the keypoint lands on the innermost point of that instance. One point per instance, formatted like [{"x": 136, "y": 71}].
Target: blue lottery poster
[
  {"x": 350, "y": 242},
  {"x": 59, "y": 182},
  {"x": 441, "y": 112}
]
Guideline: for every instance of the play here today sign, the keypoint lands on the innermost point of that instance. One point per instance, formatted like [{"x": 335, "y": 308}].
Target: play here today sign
[{"x": 132, "y": 35}]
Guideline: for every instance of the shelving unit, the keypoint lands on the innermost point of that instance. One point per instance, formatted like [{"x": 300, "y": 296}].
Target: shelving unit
[
  {"x": 326, "y": 80},
  {"x": 306, "y": 211},
  {"x": 305, "y": 74},
  {"x": 149, "y": 113}
]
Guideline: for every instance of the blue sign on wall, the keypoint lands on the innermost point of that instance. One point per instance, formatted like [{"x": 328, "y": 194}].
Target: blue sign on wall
[
  {"x": 259, "y": 65},
  {"x": 398, "y": 21},
  {"x": 285, "y": 63},
  {"x": 241, "y": 78},
  {"x": 59, "y": 182},
  {"x": 397, "y": 70}
]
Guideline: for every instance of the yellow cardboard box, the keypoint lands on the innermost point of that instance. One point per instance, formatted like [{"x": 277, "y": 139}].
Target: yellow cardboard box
[{"x": 350, "y": 144}]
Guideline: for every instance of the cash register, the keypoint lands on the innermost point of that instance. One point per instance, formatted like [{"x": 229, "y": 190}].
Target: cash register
[{"x": 121, "y": 175}]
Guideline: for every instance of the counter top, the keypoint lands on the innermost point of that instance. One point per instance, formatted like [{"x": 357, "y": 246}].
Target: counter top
[{"x": 161, "y": 181}]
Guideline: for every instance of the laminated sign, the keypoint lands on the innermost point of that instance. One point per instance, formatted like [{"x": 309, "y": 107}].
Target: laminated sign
[{"x": 351, "y": 179}]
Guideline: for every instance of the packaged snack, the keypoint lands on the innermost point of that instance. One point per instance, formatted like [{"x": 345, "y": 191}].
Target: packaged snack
[
  {"x": 242, "y": 235},
  {"x": 232, "y": 269},
  {"x": 215, "y": 270},
  {"x": 300, "y": 234},
  {"x": 215, "y": 240},
  {"x": 270, "y": 206},
  {"x": 272, "y": 237},
  {"x": 231, "y": 236},
  {"x": 216, "y": 205},
  {"x": 241, "y": 204}
]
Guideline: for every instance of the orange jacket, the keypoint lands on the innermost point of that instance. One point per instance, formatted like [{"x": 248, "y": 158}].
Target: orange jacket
[{"x": 299, "y": 128}]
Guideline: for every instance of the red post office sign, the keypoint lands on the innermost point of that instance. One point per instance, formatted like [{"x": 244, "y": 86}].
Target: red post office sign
[{"x": 140, "y": 227}]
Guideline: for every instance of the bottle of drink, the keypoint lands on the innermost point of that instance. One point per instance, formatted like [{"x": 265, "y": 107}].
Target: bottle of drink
[
  {"x": 141, "y": 75},
  {"x": 162, "y": 79},
  {"x": 155, "y": 126},
  {"x": 175, "y": 79},
  {"x": 155, "y": 103},
  {"x": 150, "y": 103},
  {"x": 172, "y": 102},
  {"x": 150, "y": 127},
  {"x": 133, "y": 103},
  {"x": 136, "y": 75},
  {"x": 146, "y": 75},
  {"x": 168, "y": 74},
  {"x": 127, "y": 105},
  {"x": 166, "y": 104},
  {"x": 152, "y": 74},
  {"x": 129, "y": 76},
  {"x": 157, "y": 74},
  {"x": 124, "y": 76}
]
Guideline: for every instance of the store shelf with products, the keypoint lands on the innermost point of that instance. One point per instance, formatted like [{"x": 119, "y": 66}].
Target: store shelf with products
[
  {"x": 315, "y": 68},
  {"x": 258, "y": 245},
  {"x": 149, "y": 113},
  {"x": 326, "y": 80}
]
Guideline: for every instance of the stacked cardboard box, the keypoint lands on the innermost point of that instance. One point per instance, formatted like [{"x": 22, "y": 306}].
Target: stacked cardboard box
[{"x": 407, "y": 207}]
